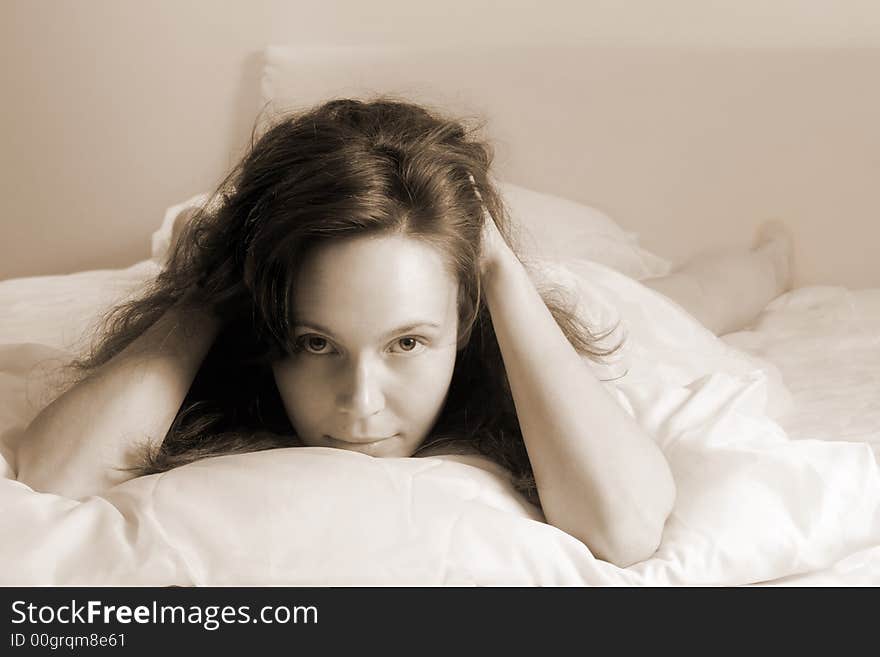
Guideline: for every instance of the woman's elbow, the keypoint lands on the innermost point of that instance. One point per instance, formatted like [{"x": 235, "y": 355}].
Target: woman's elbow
[
  {"x": 632, "y": 541},
  {"x": 627, "y": 550},
  {"x": 638, "y": 519},
  {"x": 642, "y": 545}
]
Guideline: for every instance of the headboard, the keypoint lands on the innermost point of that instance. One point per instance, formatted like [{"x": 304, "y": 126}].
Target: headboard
[{"x": 692, "y": 148}]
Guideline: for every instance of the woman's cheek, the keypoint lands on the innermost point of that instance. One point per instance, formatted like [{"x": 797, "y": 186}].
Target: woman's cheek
[
  {"x": 436, "y": 373},
  {"x": 298, "y": 385}
]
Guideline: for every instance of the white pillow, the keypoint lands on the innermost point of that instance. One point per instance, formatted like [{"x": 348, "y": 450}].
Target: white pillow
[
  {"x": 553, "y": 227},
  {"x": 550, "y": 227}
]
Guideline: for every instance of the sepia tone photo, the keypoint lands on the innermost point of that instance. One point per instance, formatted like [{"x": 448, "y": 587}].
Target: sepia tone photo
[{"x": 411, "y": 294}]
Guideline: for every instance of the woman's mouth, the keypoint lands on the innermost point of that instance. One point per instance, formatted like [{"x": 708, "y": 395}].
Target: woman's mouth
[{"x": 360, "y": 441}]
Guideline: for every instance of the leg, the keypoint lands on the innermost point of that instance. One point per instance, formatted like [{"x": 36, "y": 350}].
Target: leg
[{"x": 727, "y": 290}]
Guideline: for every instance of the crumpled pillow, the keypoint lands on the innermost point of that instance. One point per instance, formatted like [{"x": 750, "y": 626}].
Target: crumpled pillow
[{"x": 554, "y": 228}]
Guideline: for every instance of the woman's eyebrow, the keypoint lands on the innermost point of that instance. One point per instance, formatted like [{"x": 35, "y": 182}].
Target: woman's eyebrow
[{"x": 409, "y": 326}]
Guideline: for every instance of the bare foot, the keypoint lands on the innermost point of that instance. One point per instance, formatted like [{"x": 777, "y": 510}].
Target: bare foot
[{"x": 775, "y": 240}]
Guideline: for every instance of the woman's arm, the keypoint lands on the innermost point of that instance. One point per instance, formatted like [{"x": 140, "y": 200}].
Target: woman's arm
[
  {"x": 600, "y": 477},
  {"x": 75, "y": 444}
]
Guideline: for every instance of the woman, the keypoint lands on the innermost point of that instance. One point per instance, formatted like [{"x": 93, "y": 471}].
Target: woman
[{"x": 352, "y": 285}]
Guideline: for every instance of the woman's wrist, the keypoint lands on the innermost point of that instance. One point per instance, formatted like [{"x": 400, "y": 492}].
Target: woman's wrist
[
  {"x": 194, "y": 300},
  {"x": 184, "y": 333},
  {"x": 497, "y": 264}
]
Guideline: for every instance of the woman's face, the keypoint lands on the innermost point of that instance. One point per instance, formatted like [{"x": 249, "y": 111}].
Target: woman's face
[{"x": 376, "y": 319}]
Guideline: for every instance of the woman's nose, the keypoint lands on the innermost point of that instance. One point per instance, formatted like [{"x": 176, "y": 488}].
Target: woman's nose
[{"x": 361, "y": 394}]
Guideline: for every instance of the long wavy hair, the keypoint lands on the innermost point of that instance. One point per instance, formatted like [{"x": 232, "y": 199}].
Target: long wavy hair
[{"x": 344, "y": 168}]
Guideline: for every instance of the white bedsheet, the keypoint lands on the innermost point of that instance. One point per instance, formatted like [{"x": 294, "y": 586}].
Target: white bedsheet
[
  {"x": 826, "y": 343},
  {"x": 753, "y": 504}
]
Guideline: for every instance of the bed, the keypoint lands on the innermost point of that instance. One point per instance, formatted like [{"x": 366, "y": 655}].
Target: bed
[{"x": 772, "y": 434}]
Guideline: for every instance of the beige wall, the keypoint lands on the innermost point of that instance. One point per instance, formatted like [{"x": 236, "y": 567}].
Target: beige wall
[{"x": 114, "y": 110}]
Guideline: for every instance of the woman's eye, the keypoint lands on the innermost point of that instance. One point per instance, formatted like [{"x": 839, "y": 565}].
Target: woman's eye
[
  {"x": 318, "y": 346},
  {"x": 409, "y": 344},
  {"x": 314, "y": 344}
]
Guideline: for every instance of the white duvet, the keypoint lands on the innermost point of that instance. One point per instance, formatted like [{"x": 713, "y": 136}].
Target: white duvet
[{"x": 754, "y": 504}]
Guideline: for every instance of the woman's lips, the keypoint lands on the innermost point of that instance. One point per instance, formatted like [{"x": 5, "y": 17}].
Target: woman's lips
[{"x": 361, "y": 441}]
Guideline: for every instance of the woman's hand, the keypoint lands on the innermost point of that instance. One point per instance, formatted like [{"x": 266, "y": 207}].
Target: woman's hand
[
  {"x": 493, "y": 248},
  {"x": 180, "y": 223}
]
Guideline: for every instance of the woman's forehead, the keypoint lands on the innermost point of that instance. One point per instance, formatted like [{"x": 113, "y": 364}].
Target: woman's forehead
[{"x": 375, "y": 280}]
